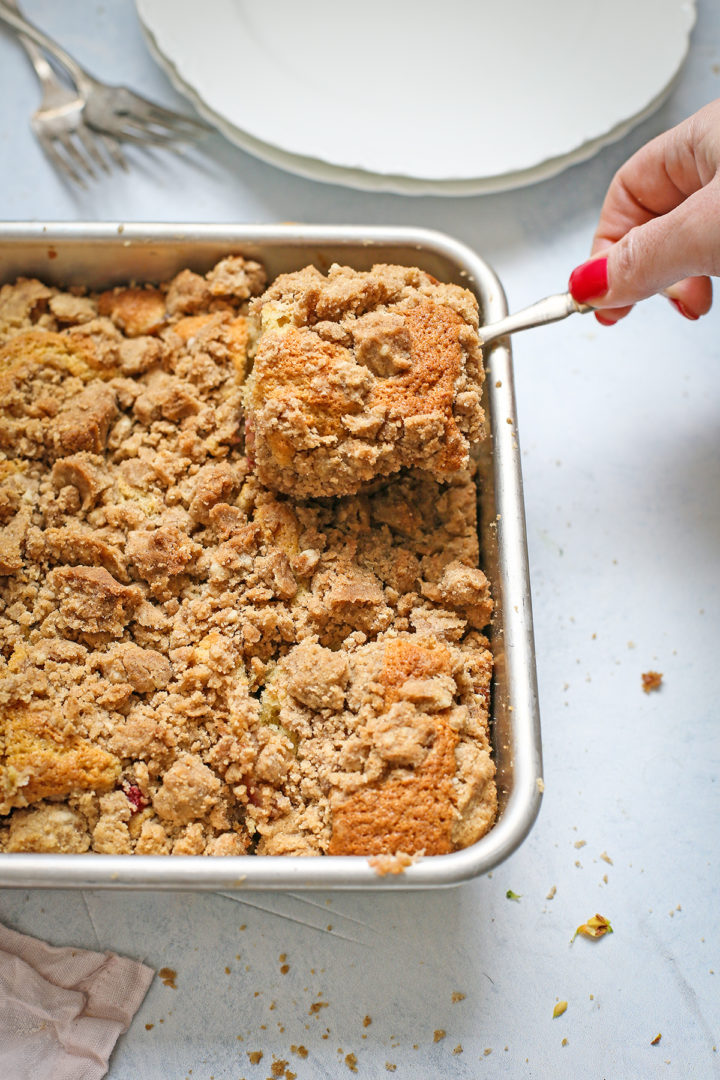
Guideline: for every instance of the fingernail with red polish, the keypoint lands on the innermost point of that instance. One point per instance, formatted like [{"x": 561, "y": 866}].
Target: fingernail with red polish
[
  {"x": 603, "y": 321},
  {"x": 682, "y": 309},
  {"x": 589, "y": 281}
]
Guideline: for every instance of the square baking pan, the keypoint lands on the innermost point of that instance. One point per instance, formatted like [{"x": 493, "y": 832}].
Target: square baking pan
[{"x": 100, "y": 255}]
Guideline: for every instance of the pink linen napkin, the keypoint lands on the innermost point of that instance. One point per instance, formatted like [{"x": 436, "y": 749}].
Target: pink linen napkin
[{"x": 62, "y": 1010}]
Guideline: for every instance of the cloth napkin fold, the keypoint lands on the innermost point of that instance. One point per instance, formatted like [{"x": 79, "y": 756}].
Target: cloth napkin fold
[{"x": 62, "y": 1010}]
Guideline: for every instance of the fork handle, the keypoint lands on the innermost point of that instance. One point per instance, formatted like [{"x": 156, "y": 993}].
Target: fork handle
[
  {"x": 44, "y": 72},
  {"x": 21, "y": 25},
  {"x": 549, "y": 310}
]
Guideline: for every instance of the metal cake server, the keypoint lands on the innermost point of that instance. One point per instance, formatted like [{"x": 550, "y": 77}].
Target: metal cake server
[{"x": 551, "y": 309}]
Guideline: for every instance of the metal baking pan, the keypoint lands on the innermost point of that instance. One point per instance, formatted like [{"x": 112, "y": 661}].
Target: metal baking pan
[{"x": 102, "y": 255}]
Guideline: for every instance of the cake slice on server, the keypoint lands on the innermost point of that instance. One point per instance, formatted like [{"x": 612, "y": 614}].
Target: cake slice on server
[{"x": 358, "y": 374}]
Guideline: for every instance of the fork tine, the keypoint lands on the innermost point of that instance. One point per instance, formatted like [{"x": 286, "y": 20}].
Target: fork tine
[
  {"x": 61, "y": 163},
  {"x": 144, "y": 136},
  {"x": 90, "y": 146},
  {"x": 74, "y": 154},
  {"x": 113, "y": 149},
  {"x": 148, "y": 111},
  {"x": 176, "y": 129},
  {"x": 156, "y": 126},
  {"x": 177, "y": 122}
]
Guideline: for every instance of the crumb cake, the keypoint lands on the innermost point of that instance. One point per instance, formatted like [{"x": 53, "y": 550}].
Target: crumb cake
[
  {"x": 201, "y": 651},
  {"x": 358, "y": 374}
]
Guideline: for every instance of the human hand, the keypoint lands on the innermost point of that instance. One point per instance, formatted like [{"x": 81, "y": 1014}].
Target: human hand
[{"x": 659, "y": 228}]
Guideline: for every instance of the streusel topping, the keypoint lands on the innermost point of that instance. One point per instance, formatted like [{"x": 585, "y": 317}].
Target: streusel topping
[
  {"x": 360, "y": 373},
  {"x": 191, "y": 662}
]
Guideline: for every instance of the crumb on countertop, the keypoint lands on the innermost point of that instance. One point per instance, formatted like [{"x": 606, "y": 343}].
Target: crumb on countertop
[
  {"x": 651, "y": 680},
  {"x": 595, "y": 927}
]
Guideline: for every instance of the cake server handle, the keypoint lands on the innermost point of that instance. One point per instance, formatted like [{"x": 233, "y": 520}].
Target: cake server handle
[{"x": 551, "y": 309}]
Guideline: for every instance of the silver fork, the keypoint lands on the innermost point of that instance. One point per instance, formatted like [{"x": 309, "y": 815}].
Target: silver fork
[
  {"x": 59, "y": 126},
  {"x": 114, "y": 110}
]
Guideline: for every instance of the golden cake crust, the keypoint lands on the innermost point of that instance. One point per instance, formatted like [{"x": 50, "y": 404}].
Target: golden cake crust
[{"x": 43, "y": 760}]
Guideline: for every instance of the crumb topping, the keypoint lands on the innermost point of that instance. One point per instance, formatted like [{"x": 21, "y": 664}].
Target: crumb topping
[
  {"x": 360, "y": 373},
  {"x": 192, "y": 662}
]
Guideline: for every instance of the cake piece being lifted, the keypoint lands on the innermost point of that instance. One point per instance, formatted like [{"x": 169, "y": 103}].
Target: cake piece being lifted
[{"x": 358, "y": 374}]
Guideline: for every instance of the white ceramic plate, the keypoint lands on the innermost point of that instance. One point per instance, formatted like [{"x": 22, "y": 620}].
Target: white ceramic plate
[{"x": 418, "y": 97}]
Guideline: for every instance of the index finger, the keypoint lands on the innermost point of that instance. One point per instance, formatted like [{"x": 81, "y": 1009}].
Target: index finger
[{"x": 660, "y": 176}]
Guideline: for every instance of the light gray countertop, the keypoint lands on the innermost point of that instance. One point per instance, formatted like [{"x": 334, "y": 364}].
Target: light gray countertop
[{"x": 620, "y": 436}]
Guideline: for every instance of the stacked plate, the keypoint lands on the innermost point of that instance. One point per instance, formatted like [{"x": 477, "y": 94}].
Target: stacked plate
[{"x": 409, "y": 96}]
